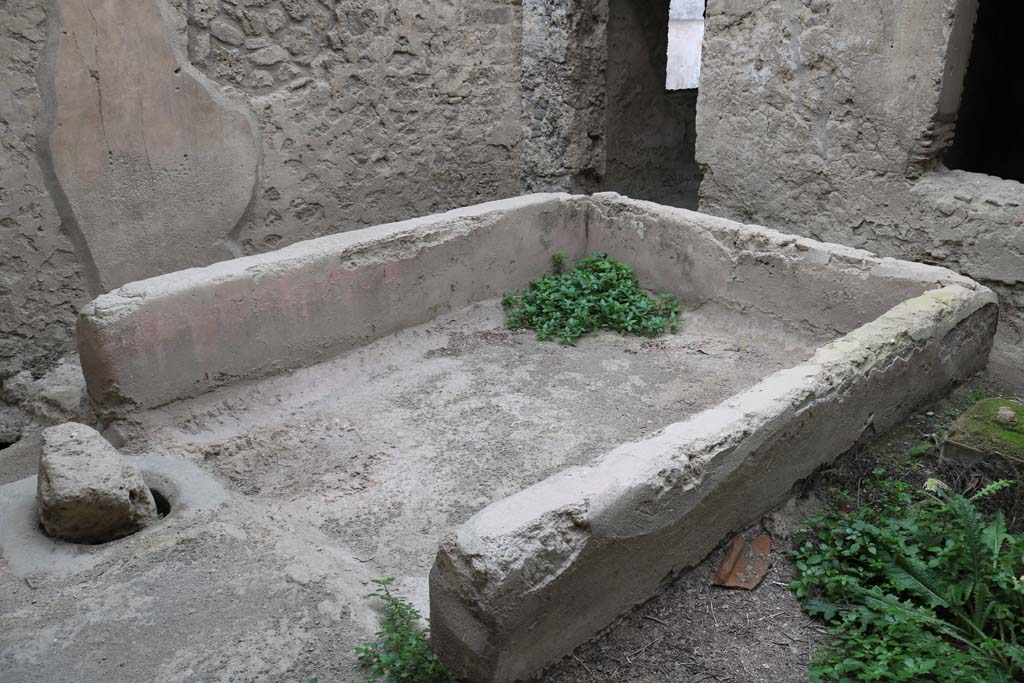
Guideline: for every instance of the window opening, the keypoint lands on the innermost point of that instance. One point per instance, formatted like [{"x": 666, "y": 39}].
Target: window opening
[{"x": 685, "y": 40}]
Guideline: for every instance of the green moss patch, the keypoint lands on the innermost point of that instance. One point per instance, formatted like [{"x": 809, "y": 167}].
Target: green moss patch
[{"x": 981, "y": 429}]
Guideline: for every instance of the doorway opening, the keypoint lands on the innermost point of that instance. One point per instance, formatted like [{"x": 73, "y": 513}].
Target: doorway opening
[{"x": 988, "y": 135}]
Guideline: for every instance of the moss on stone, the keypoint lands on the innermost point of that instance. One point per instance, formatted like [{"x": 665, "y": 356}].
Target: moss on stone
[{"x": 981, "y": 429}]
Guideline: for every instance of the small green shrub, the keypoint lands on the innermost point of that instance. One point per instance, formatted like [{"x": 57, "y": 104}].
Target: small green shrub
[
  {"x": 402, "y": 653},
  {"x": 600, "y": 293},
  {"x": 921, "y": 588}
]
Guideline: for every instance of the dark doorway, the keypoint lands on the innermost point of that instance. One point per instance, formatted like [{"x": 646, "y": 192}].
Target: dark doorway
[
  {"x": 990, "y": 127},
  {"x": 650, "y": 130}
]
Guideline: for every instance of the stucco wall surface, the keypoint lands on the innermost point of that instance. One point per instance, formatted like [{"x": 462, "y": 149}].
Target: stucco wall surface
[
  {"x": 148, "y": 136},
  {"x": 831, "y": 118},
  {"x": 41, "y": 279},
  {"x": 368, "y": 111}
]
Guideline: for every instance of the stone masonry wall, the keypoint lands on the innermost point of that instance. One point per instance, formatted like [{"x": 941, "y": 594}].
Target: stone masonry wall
[
  {"x": 563, "y": 91},
  {"x": 42, "y": 283},
  {"x": 830, "y": 118},
  {"x": 146, "y": 136},
  {"x": 368, "y": 111}
]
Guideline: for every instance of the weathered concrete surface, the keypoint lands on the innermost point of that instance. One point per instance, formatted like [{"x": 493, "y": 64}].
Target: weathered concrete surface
[
  {"x": 21, "y": 460},
  {"x": 650, "y": 132},
  {"x": 363, "y": 113},
  {"x": 31, "y": 554},
  {"x": 42, "y": 283},
  {"x": 375, "y": 456},
  {"x": 911, "y": 330},
  {"x": 390, "y": 446},
  {"x": 155, "y": 168},
  {"x": 828, "y": 288},
  {"x": 221, "y": 589},
  {"x": 88, "y": 492},
  {"x": 176, "y": 336},
  {"x": 532, "y": 576},
  {"x": 831, "y": 119},
  {"x": 13, "y": 422},
  {"x": 381, "y": 450}
]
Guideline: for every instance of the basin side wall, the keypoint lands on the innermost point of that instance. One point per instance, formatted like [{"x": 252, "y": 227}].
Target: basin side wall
[
  {"x": 179, "y": 335},
  {"x": 531, "y": 577},
  {"x": 827, "y": 289}
]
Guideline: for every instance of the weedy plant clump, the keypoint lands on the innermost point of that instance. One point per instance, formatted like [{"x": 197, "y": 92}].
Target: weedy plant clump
[
  {"x": 921, "y": 588},
  {"x": 599, "y": 293},
  {"x": 402, "y": 652}
]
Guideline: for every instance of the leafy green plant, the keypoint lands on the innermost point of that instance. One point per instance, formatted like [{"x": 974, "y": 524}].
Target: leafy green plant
[
  {"x": 599, "y": 293},
  {"x": 921, "y": 449},
  {"x": 402, "y": 652},
  {"x": 920, "y": 588}
]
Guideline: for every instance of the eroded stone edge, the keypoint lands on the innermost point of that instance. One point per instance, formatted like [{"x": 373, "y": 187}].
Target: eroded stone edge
[{"x": 534, "y": 575}]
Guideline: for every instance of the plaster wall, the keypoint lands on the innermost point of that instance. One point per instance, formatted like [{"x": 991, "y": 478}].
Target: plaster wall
[
  {"x": 831, "y": 118},
  {"x": 368, "y": 111},
  {"x": 144, "y": 137}
]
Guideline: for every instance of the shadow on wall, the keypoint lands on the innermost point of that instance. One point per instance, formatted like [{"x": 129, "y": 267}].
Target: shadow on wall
[{"x": 651, "y": 133}]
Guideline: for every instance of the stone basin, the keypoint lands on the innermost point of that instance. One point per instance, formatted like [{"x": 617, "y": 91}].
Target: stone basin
[{"x": 363, "y": 388}]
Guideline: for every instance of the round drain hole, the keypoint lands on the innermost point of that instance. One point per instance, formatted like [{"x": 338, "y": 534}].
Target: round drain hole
[{"x": 163, "y": 506}]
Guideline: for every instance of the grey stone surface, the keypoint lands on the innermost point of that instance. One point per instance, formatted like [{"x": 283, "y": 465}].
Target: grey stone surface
[
  {"x": 369, "y": 112},
  {"x": 594, "y": 541},
  {"x": 156, "y": 168},
  {"x": 21, "y": 460},
  {"x": 42, "y": 282},
  {"x": 831, "y": 119},
  {"x": 57, "y": 396},
  {"x": 563, "y": 92},
  {"x": 12, "y": 423},
  {"x": 362, "y": 113},
  {"x": 313, "y": 300},
  {"x": 88, "y": 492},
  {"x": 30, "y": 554},
  {"x": 433, "y": 417}
]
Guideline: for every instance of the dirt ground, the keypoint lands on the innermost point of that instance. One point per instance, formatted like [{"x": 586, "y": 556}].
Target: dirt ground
[{"x": 693, "y": 632}]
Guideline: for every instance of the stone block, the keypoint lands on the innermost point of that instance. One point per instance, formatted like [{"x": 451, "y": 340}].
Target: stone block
[{"x": 87, "y": 492}]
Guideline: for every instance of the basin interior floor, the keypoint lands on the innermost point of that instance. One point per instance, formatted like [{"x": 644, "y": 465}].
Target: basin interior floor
[
  {"x": 389, "y": 447},
  {"x": 339, "y": 473}
]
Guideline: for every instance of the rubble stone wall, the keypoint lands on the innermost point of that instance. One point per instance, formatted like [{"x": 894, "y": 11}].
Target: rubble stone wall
[
  {"x": 831, "y": 119},
  {"x": 221, "y": 128}
]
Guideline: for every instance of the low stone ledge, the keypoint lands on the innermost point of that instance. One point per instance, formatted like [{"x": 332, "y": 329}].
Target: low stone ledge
[
  {"x": 531, "y": 577},
  {"x": 179, "y": 335}
]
